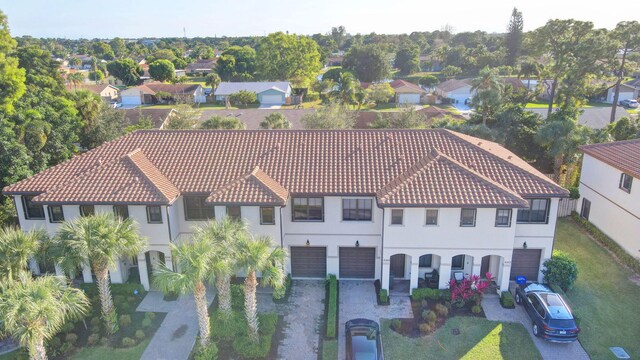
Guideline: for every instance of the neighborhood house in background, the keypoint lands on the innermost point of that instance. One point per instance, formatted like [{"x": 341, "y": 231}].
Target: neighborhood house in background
[{"x": 268, "y": 93}]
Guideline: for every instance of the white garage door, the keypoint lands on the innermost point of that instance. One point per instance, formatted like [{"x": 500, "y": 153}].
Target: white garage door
[
  {"x": 131, "y": 100},
  {"x": 272, "y": 99},
  {"x": 621, "y": 96},
  {"x": 409, "y": 98}
]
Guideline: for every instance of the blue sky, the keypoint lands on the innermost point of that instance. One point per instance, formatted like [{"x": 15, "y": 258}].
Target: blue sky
[{"x": 159, "y": 18}]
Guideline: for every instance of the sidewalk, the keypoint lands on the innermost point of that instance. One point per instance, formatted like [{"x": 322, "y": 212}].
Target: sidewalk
[{"x": 177, "y": 334}]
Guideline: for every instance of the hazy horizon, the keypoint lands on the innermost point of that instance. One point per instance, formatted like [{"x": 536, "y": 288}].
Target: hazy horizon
[{"x": 75, "y": 19}]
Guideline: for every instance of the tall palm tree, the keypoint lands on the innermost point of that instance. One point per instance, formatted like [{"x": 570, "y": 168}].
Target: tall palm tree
[
  {"x": 98, "y": 241},
  {"x": 194, "y": 261},
  {"x": 75, "y": 79},
  {"x": 34, "y": 310},
  {"x": 255, "y": 255},
  {"x": 346, "y": 90},
  {"x": 529, "y": 69},
  {"x": 222, "y": 236},
  {"x": 16, "y": 248}
]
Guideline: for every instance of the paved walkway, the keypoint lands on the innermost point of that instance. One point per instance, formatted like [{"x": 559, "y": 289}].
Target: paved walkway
[
  {"x": 177, "y": 334},
  {"x": 358, "y": 300},
  {"x": 494, "y": 311}
]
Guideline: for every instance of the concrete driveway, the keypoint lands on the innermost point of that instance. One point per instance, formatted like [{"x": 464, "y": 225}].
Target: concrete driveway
[
  {"x": 358, "y": 300},
  {"x": 494, "y": 311}
]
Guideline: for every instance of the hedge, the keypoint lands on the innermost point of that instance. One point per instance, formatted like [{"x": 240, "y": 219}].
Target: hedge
[
  {"x": 430, "y": 294},
  {"x": 332, "y": 307},
  {"x": 608, "y": 243},
  {"x": 506, "y": 300}
]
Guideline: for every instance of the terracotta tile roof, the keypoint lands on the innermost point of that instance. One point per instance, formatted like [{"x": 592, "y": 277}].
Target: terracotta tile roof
[
  {"x": 129, "y": 179},
  {"x": 453, "y": 84},
  {"x": 96, "y": 89},
  {"x": 329, "y": 162},
  {"x": 157, "y": 116},
  {"x": 622, "y": 155},
  {"x": 255, "y": 188},
  {"x": 405, "y": 87},
  {"x": 437, "y": 180}
]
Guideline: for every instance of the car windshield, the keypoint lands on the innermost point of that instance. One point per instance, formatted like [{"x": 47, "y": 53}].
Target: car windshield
[
  {"x": 557, "y": 309},
  {"x": 363, "y": 344}
]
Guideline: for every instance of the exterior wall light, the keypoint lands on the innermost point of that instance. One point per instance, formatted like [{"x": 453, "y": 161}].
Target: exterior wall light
[
  {"x": 308, "y": 243},
  {"x": 357, "y": 243},
  {"x": 524, "y": 245}
]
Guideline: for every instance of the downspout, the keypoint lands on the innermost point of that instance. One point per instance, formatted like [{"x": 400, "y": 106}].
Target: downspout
[
  {"x": 281, "y": 231},
  {"x": 173, "y": 262},
  {"x": 15, "y": 206},
  {"x": 382, "y": 250}
]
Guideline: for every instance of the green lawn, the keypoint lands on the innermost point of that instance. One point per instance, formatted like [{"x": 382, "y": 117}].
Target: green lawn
[
  {"x": 478, "y": 339},
  {"x": 196, "y": 80},
  {"x": 604, "y": 298},
  {"x": 104, "y": 353},
  {"x": 329, "y": 350}
]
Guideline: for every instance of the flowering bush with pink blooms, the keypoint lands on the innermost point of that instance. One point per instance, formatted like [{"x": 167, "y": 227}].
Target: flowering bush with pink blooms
[{"x": 469, "y": 289}]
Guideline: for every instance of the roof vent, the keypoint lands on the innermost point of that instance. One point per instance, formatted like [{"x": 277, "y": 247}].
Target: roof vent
[
  {"x": 99, "y": 162},
  {"x": 479, "y": 143},
  {"x": 509, "y": 157},
  {"x": 136, "y": 179}
]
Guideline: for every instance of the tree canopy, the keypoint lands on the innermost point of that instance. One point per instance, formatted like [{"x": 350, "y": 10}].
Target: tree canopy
[
  {"x": 287, "y": 57},
  {"x": 369, "y": 62},
  {"x": 125, "y": 70},
  {"x": 162, "y": 70}
]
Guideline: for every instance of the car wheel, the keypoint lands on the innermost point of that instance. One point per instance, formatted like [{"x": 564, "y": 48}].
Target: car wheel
[
  {"x": 518, "y": 299},
  {"x": 535, "y": 329}
]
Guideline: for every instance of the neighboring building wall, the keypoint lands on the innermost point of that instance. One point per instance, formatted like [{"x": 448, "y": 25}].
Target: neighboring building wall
[
  {"x": 613, "y": 210},
  {"x": 408, "y": 98}
]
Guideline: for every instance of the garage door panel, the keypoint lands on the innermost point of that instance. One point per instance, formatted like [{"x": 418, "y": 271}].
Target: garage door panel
[
  {"x": 308, "y": 262},
  {"x": 271, "y": 99},
  {"x": 525, "y": 262},
  {"x": 357, "y": 263}
]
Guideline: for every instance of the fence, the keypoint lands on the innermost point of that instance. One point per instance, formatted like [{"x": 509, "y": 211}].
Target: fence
[{"x": 567, "y": 206}]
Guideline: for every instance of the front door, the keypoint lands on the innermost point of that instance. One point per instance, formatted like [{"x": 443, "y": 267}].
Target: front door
[
  {"x": 397, "y": 266},
  {"x": 484, "y": 266}
]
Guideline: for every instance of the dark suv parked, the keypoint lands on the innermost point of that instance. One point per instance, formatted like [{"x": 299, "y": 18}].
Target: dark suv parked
[{"x": 551, "y": 316}]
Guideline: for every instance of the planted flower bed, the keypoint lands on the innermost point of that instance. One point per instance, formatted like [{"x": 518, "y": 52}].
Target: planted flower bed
[{"x": 432, "y": 307}]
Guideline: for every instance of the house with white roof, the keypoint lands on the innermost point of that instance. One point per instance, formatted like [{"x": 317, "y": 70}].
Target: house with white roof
[{"x": 267, "y": 92}]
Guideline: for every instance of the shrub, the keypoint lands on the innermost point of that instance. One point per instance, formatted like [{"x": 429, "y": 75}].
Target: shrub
[
  {"x": 55, "y": 342},
  {"x": 332, "y": 307},
  {"x": 226, "y": 328},
  {"x": 425, "y": 304},
  {"x": 312, "y": 96},
  {"x": 247, "y": 349},
  {"x": 268, "y": 323},
  {"x": 441, "y": 310},
  {"x": 95, "y": 329},
  {"x": 429, "y": 316},
  {"x": 207, "y": 353},
  {"x": 469, "y": 289},
  {"x": 426, "y": 328},
  {"x": 67, "y": 327},
  {"x": 131, "y": 299},
  {"x": 150, "y": 315},
  {"x": 608, "y": 243},
  {"x": 425, "y": 293},
  {"x": 384, "y": 296},
  {"x": 396, "y": 324},
  {"x": 93, "y": 339},
  {"x": 124, "y": 307},
  {"x": 104, "y": 341},
  {"x": 476, "y": 309},
  {"x": 140, "y": 334},
  {"x": 561, "y": 269},
  {"x": 128, "y": 342},
  {"x": 146, "y": 322},
  {"x": 574, "y": 193},
  {"x": 71, "y": 338},
  {"x": 95, "y": 321},
  {"x": 125, "y": 321},
  {"x": 281, "y": 292},
  {"x": 118, "y": 300},
  {"x": 506, "y": 300},
  {"x": 237, "y": 296}
]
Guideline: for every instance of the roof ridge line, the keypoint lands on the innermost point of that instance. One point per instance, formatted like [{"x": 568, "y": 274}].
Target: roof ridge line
[
  {"x": 252, "y": 174},
  {"x": 139, "y": 170},
  {"x": 414, "y": 169}
]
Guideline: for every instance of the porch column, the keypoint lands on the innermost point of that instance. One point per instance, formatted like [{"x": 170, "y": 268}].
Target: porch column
[
  {"x": 385, "y": 274},
  {"x": 86, "y": 274},
  {"x": 504, "y": 273},
  {"x": 168, "y": 261},
  {"x": 445, "y": 275},
  {"x": 59, "y": 271},
  {"x": 142, "y": 269},
  {"x": 415, "y": 272},
  {"x": 475, "y": 269}
]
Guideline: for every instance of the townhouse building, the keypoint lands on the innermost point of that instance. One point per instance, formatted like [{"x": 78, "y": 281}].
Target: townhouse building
[{"x": 412, "y": 207}]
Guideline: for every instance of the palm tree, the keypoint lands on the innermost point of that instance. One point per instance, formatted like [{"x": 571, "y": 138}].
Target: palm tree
[
  {"x": 34, "y": 310},
  {"x": 347, "y": 88},
  {"x": 212, "y": 80},
  {"x": 98, "y": 241},
  {"x": 528, "y": 70},
  {"x": 75, "y": 79},
  {"x": 258, "y": 255},
  {"x": 16, "y": 248},
  {"x": 194, "y": 261}
]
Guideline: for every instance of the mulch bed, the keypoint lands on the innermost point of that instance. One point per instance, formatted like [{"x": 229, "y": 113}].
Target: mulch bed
[{"x": 411, "y": 327}]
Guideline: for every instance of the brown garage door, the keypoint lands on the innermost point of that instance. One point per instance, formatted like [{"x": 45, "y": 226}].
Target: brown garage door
[
  {"x": 308, "y": 262},
  {"x": 357, "y": 262},
  {"x": 525, "y": 262}
]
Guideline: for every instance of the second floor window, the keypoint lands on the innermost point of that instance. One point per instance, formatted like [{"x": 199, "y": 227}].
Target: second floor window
[
  {"x": 503, "y": 217},
  {"x": 537, "y": 213},
  {"x": 87, "y": 210},
  {"x": 196, "y": 208},
  {"x": 234, "y": 212},
  {"x": 432, "y": 217},
  {"x": 397, "y": 216},
  {"x": 121, "y": 211},
  {"x": 154, "y": 214},
  {"x": 56, "y": 215},
  {"x": 267, "y": 216},
  {"x": 356, "y": 209},
  {"x": 31, "y": 210},
  {"x": 308, "y": 209},
  {"x": 625, "y": 182},
  {"x": 468, "y": 217}
]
